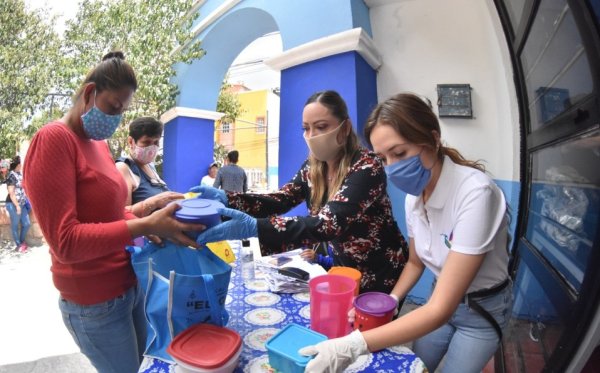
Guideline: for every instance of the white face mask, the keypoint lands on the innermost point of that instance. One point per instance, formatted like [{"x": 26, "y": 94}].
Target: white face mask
[
  {"x": 144, "y": 155},
  {"x": 325, "y": 147}
]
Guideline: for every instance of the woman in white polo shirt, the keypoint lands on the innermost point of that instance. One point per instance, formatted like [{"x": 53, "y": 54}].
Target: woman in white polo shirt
[{"x": 458, "y": 228}]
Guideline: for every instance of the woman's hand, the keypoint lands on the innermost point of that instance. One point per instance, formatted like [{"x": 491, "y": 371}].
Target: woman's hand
[
  {"x": 160, "y": 200},
  {"x": 162, "y": 223},
  {"x": 207, "y": 192},
  {"x": 308, "y": 255}
]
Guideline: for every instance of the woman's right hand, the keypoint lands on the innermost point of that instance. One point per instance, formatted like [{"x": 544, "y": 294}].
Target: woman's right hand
[
  {"x": 162, "y": 223},
  {"x": 308, "y": 255}
]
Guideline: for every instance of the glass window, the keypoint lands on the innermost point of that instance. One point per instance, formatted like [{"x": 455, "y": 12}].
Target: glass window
[
  {"x": 534, "y": 327},
  {"x": 555, "y": 64},
  {"x": 225, "y": 126},
  {"x": 260, "y": 125},
  {"x": 565, "y": 204},
  {"x": 515, "y": 12}
]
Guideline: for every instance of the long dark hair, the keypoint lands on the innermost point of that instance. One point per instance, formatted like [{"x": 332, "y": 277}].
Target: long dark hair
[{"x": 113, "y": 73}]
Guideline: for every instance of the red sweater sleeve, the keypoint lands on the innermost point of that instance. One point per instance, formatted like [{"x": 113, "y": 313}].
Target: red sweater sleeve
[{"x": 77, "y": 195}]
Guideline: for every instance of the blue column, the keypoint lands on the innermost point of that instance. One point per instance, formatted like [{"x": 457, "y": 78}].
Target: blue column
[
  {"x": 187, "y": 146},
  {"x": 347, "y": 73}
]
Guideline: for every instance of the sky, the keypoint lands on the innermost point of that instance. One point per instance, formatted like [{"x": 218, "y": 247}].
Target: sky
[{"x": 247, "y": 69}]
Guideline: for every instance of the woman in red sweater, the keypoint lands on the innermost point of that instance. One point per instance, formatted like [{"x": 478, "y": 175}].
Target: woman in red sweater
[{"x": 79, "y": 198}]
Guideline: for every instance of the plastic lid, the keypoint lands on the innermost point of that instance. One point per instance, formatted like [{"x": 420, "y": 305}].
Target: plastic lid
[
  {"x": 205, "y": 346},
  {"x": 346, "y": 271},
  {"x": 290, "y": 339},
  {"x": 375, "y": 303},
  {"x": 197, "y": 208}
]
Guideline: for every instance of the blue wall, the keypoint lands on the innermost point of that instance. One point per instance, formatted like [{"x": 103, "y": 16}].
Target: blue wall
[
  {"x": 188, "y": 150},
  {"x": 346, "y": 73}
]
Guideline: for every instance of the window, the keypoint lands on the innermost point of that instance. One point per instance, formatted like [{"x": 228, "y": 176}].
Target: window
[
  {"x": 260, "y": 125},
  {"x": 225, "y": 126}
]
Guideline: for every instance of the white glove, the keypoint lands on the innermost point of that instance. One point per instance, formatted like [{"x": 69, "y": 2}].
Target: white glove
[
  {"x": 397, "y": 300},
  {"x": 335, "y": 355}
]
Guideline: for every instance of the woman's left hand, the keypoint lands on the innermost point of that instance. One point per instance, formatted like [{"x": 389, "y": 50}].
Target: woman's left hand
[{"x": 160, "y": 200}]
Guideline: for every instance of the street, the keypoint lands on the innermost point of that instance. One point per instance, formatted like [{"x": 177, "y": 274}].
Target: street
[{"x": 34, "y": 338}]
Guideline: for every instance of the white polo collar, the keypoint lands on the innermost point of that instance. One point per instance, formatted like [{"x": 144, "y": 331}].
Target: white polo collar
[{"x": 441, "y": 193}]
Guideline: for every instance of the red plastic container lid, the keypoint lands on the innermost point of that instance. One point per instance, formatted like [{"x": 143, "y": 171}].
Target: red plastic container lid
[
  {"x": 205, "y": 346},
  {"x": 375, "y": 303}
]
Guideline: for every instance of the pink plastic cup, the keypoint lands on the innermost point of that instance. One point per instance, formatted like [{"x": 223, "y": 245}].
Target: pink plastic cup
[
  {"x": 330, "y": 300},
  {"x": 373, "y": 309}
]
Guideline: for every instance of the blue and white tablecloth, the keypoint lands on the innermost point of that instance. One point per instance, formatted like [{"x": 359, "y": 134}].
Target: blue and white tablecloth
[{"x": 257, "y": 314}]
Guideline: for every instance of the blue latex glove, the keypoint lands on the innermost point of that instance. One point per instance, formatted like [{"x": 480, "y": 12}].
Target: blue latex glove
[
  {"x": 208, "y": 192},
  {"x": 241, "y": 226}
]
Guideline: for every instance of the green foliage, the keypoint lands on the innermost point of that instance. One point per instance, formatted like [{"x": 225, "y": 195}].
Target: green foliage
[
  {"x": 29, "y": 55},
  {"x": 228, "y": 103},
  {"x": 219, "y": 154},
  {"x": 148, "y": 32}
]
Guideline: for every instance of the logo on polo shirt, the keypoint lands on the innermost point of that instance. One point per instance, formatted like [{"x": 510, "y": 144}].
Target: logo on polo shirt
[{"x": 447, "y": 240}]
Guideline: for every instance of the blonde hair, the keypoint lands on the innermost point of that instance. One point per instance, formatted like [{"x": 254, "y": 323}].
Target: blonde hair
[{"x": 317, "y": 169}]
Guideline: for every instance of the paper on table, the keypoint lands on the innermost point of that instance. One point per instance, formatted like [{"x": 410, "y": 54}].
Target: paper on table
[{"x": 279, "y": 283}]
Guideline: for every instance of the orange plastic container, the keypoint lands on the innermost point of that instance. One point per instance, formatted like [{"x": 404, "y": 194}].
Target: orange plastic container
[
  {"x": 330, "y": 300},
  {"x": 353, "y": 273}
]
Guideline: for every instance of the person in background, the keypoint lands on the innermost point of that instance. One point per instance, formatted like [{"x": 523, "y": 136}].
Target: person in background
[
  {"x": 17, "y": 205},
  {"x": 314, "y": 256},
  {"x": 344, "y": 186},
  {"x": 458, "y": 228},
  {"x": 232, "y": 177},
  {"x": 79, "y": 198},
  {"x": 146, "y": 190},
  {"x": 4, "y": 165},
  {"x": 210, "y": 178}
]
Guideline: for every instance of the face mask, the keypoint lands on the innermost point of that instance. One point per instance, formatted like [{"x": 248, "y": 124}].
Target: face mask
[
  {"x": 409, "y": 175},
  {"x": 324, "y": 147},
  {"x": 144, "y": 155},
  {"x": 97, "y": 125}
]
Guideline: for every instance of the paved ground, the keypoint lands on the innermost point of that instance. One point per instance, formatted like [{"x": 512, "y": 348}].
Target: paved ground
[{"x": 34, "y": 339}]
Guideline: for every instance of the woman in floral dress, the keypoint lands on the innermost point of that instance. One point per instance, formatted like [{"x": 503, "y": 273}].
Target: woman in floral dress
[{"x": 344, "y": 188}]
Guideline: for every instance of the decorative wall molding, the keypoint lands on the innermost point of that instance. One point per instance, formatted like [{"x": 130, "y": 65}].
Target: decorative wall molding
[
  {"x": 175, "y": 112},
  {"x": 351, "y": 40},
  {"x": 376, "y": 3},
  {"x": 209, "y": 19}
]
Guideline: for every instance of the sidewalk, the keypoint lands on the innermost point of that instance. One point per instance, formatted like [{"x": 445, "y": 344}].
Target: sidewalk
[{"x": 34, "y": 338}]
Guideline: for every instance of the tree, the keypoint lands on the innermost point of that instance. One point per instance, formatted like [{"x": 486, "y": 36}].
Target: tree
[
  {"x": 229, "y": 104},
  {"x": 29, "y": 56},
  {"x": 148, "y": 32}
]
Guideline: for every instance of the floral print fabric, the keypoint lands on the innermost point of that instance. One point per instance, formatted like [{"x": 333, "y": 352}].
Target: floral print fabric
[{"x": 357, "y": 221}]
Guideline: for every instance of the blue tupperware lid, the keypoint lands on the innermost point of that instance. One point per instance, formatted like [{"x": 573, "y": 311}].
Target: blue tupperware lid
[
  {"x": 197, "y": 208},
  {"x": 290, "y": 339}
]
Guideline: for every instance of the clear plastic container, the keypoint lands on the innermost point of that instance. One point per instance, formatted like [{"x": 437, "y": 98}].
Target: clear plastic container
[{"x": 247, "y": 261}]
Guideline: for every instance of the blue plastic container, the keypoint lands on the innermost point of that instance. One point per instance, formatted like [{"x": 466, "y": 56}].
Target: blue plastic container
[
  {"x": 283, "y": 348},
  {"x": 198, "y": 210}
]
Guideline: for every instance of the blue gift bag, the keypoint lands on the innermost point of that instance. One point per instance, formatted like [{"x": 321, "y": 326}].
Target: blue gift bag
[{"x": 183, "y": 287}]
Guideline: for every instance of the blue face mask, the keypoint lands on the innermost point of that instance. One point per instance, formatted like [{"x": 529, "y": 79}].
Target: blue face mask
[
  {"x": 409, "y": 175},
  {"x": 97, "y": 125}
]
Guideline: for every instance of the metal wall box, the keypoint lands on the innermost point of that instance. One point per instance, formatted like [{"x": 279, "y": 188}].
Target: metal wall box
[{"x": 454, "y": 100}]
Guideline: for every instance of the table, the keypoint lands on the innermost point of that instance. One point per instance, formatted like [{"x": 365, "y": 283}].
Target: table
[{"x": 257, "y": 314}]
